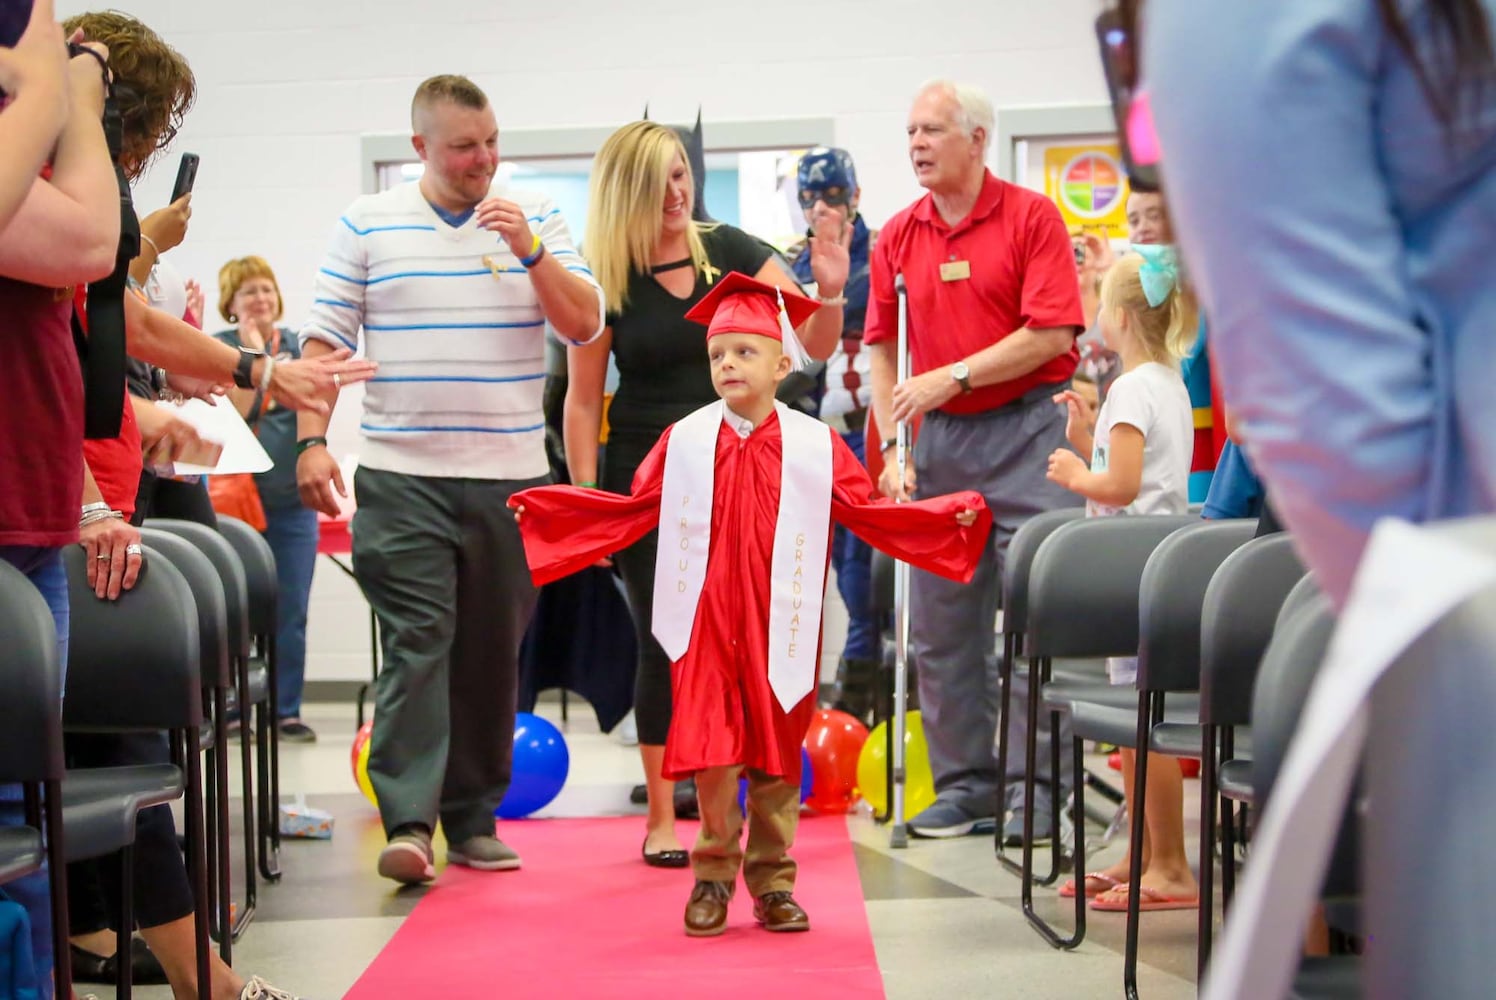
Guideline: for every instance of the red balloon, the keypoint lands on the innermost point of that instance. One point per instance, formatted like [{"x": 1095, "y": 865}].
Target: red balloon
[{"x": 833, "y": 742}]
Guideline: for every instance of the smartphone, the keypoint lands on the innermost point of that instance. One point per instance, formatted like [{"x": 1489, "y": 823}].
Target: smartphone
[
  {"x": 186, "y": 175},
  {"x": 1119, "y": 61}
]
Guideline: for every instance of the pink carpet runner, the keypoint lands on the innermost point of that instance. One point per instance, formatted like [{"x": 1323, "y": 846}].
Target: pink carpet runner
[{"x": 587, "y": 918}]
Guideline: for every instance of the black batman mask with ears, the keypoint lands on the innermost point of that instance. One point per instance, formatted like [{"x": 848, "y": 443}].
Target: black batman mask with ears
[{"x": 691, "y": 139}]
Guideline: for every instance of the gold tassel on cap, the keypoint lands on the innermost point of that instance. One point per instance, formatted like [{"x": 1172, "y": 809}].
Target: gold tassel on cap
[{"x": 793, "y": 349}]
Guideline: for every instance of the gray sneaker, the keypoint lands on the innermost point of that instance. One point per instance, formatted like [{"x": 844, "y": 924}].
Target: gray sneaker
[
  {"x": 407, "y": 858},
  {"x": 485, "y": 853},
  {"x": 947, "y": 819}
]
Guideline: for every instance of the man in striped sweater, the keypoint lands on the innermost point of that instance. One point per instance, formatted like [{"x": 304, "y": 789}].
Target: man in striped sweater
[{"x": 448, "y": 282}]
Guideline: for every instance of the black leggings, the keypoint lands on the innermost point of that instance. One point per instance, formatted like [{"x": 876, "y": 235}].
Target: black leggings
[
  {"x": 652, "y": 696},
  {"x": 161, "y": 891}
]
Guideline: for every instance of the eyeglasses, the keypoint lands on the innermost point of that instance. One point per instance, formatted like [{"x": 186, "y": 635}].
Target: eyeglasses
[{"x": 834, "y": 196}]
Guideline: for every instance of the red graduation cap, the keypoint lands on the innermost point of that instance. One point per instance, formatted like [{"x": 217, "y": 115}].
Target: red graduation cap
[{"x": 740, "y": 304}]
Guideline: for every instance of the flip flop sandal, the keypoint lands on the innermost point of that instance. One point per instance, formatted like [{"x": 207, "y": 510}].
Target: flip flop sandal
[
  {"x": 1067, "y": 891},
  {"x": 1151, "y": 899}
]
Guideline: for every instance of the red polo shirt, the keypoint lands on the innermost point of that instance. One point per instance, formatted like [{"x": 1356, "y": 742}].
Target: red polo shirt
[{"x": 1022, "y": 274}]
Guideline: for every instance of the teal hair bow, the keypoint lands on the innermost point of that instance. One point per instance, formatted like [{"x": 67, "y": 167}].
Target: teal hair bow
[{"x": 1159, "y": 271}]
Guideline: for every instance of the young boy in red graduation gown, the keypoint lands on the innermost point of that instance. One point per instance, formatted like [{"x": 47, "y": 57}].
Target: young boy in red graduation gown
[{"x": 744, "y": 492}]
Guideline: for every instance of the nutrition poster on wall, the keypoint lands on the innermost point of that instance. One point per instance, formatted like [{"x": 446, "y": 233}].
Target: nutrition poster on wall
[{"x": 1088, "y": 185}]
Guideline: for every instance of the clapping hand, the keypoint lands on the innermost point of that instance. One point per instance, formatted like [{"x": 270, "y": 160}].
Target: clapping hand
[
  {"x": 1080, "y": 420},
  {"x": 1065, "y": 468}
]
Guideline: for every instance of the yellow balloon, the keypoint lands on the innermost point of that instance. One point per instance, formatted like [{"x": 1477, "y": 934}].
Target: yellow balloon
[{"x": 872, "y": 768}]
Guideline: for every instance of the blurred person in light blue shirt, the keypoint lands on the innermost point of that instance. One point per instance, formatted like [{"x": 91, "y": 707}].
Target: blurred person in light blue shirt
[{"x": 1332, "y": 171}]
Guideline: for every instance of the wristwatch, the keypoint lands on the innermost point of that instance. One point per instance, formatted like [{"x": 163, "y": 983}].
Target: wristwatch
[
  {"x": 244, "y": 371},
  {"x": 962, "y": 375}
]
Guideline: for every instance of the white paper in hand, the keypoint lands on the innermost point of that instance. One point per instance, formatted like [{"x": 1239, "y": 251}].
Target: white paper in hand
[{"x": 242, "y": 451}]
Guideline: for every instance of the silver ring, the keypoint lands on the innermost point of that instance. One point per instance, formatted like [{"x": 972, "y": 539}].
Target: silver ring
[
  {"x": 337, "y": 380},
  {"x": 132, "y": 550},
  {"x": 103, "y": 557}
]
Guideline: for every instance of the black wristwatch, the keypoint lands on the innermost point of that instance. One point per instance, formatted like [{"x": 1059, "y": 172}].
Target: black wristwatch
[{"x": 244, "y": 372}]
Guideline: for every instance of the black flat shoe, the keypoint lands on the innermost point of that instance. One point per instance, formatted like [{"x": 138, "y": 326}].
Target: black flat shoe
[
  {"x": 664, "y": 859},
  {"x": 145, "y": 969}
]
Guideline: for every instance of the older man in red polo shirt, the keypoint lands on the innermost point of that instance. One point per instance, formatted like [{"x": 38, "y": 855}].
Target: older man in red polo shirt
[{"x": 994, "y": 309}]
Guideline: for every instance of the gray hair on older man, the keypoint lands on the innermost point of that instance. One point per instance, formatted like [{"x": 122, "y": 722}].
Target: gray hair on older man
[{"x": 976, "y": 108}]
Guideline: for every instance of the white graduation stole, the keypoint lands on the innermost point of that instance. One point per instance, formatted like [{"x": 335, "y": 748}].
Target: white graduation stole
[{"x": 802, "y": 534}]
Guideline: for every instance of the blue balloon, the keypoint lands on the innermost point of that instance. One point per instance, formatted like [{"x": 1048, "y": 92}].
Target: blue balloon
[
  {"x": 541, "y": 762},
  {"x": 807, "y": 783}
]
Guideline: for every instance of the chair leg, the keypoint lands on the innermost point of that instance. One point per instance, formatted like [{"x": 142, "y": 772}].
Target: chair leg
[
  {"x": 1038, "y": 677},
  {"x": 124, "y": 924},
  {"x": 197, "y": 870},
  {"x": 1135, "y": 845},
  {"x": 1228, "y": 832},
  {"x": 62, "y": 965},
  {"x": 1004, "y": 706},
  {"x": 246, "y": 782},
  {"x": 266, "y": 805},
  {"x": 1208, "y": 765},
  {"x": 270, "y": 837},
  {"x": 219, "y": 839}
]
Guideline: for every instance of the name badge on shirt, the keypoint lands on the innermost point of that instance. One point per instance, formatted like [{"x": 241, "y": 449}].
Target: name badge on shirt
[{"x": 955, "y": 270}]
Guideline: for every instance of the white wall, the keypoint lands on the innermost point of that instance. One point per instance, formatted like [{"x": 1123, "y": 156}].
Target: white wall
[{"x": 286, "y": 89}]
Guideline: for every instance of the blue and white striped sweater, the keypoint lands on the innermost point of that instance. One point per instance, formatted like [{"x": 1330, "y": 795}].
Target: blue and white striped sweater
[{"x": 452, "y": 319}]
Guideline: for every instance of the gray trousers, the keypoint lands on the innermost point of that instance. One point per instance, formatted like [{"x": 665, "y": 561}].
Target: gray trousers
[
  {"x": 441, "y": 563},
  {"x": 1002, "y": 454}
]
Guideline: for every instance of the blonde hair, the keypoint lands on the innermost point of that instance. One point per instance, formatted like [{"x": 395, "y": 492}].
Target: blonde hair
[
  {"x": 1165, "y": 332},
  {"x": 625, "y": 212},
  {"x": 233, "y": 275}
]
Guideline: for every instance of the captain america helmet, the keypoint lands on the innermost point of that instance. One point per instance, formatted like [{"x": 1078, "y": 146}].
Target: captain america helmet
[{"x": 826, "y": 174}]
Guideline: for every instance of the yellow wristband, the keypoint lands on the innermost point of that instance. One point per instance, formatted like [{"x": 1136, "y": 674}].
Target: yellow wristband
[{"x": 534, "y": 246}]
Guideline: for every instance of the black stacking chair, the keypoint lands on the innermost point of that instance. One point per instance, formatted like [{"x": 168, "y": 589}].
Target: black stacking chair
[
  {"x": 1017, "y": 564},
  {"x": 1236, "y": 622},
  {"x": 218, "y": 679},
  {"x": 31, "y": 750},
  {"x": 133, "y": 667},
  {"x": 1082, "y": 602},
  {"x": 263, "y": 614},
  {"x": 250, "y": 686},
  {"x": 1289, "y": 667},
  {"x": 1171, "y": 593}
]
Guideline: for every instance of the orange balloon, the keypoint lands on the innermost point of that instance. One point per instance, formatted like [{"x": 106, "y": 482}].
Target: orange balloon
[{"x": 833, "y": 742}]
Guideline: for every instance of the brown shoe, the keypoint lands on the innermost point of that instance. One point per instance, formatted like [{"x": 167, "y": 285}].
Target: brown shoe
[
  {"x": 778, "y": 911},
  {"x": 706, "y": 912}
]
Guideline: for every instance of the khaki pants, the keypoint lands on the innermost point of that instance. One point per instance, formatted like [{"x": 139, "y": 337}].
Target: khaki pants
[{"x": 773, "y": 814}]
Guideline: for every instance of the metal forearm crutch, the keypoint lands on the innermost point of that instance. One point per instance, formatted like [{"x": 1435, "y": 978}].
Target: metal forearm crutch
[{"x": 899, "y": 835}]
